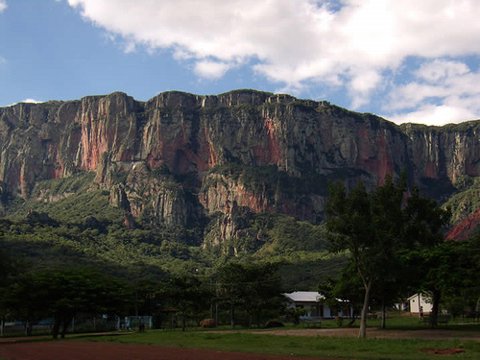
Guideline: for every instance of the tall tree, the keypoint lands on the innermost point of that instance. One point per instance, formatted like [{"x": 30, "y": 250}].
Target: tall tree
[
  {"x": 189, "y": 296},
  {"x": 8, "y": 272},
  {"x": 253, "y": 288},
  {"x": 376, "y": 227}
]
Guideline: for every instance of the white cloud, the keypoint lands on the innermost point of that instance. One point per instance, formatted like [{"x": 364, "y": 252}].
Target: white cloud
[
  {"x": 3, "y": 5},
  {"x": 435, "y": 115},
  {"x": 442, "y": 91},
  {"x": 440, "y": 69},
  {"x": 28, "y": 101},
  {"x": 211, "y": 69},
  {"x": 31, "y": 101},
  {"x": 361, "y": 86},
  {"x": 300, "y": 42}
]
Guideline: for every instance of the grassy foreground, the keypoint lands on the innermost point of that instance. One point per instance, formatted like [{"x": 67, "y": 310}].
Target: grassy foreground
[{"x": 339, "y": 348}]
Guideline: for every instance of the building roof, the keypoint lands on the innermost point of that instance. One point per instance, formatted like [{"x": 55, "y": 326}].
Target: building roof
[
  {"x": 305, "y": 296},
  {"x": 424, "y": 297}
]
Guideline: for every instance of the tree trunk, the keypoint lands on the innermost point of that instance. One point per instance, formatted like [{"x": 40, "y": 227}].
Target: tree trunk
[
  {"x": 384, "y": 314},
  {"x": 232, "y": 315},
  {"x": 56, "y": 328},
  {"x": 2, "y": 326},
  {"x": 352, "y": 316},
  {"x": 363, "y": 317},
  {"x": 28, "y": 328},
  {"x": 435, "y": 308},
  {"x": 65, "y": 324}
]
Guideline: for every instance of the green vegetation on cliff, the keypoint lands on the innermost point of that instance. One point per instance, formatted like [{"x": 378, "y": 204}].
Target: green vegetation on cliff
[
  {"x": 70, "y": 200},
  {"x": 71, "y": 220},
  {"x": 466, "y": 200}
]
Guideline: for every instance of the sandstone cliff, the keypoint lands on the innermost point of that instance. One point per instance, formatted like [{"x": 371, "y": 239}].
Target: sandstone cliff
[{"x": 179, "y": 158}]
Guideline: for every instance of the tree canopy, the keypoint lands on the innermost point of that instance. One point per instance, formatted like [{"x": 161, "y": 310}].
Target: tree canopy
[{"x": 375, "y": 227}]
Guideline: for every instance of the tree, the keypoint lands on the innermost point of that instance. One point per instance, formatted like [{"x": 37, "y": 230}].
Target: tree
[
  {"x": 229, "y": 281},
  {"x": 376, "y": 227},
  {"x": 253, "y": 288},
  {"x": 8, "y": 271},
  {"x": 347, "y": 287},
  {"x": 188, "y": 295},
  {"x": 63, "y": 293},
  {"x": 352, "y": 219},
  {"x": 447, "y": 270}
]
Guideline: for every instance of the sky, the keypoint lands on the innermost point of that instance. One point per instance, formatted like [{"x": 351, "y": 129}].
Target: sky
[{"x": 407, "y": 61}]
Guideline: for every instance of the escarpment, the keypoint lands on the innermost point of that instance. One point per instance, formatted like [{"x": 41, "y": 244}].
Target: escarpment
[{"x": 178, "y": 159}]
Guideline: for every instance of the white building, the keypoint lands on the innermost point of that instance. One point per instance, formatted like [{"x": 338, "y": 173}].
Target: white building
[
  {"x": 420, "y": 304},
  {"x": 314, "y": 305}
]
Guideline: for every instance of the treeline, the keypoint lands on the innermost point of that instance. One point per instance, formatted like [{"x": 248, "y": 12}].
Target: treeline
[{"x": 233, "y": 294}]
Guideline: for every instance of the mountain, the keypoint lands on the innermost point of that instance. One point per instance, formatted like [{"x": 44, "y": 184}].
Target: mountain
[{"x": 212, "y": 165}]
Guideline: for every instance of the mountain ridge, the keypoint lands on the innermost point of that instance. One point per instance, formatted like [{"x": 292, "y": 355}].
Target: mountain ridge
[{"x": 177, "y": 159}]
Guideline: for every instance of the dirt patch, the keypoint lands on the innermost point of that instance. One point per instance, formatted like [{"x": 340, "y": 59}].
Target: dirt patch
[
  {"x": 451, "y": 351},
  {"x": 79, "y": 350}
]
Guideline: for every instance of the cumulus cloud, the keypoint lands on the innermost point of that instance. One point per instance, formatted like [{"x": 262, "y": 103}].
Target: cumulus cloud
[
  {"x": 211, "y": 69},
  {"x": 435, "y": 115},
  {"x": 296, "y": 43},
  {"x": 441, "y": 92},
  {"x": 440, "y": 69},
  {"x": 3, "y": 5}
]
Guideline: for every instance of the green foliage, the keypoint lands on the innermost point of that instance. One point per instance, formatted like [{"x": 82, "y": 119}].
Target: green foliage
[
  {"x": 189, "y": 296},
  {"x": 447, "y": 271},
  {"x": 111, "y": 246},
  {"x": 376, "y": 228},
  {"x": 266, "y": 234},
  {"x": 62, "y": 293},
  {"x": 254, "y": 289},
  {"x": 283, "y": 234},
  {"x": 466, "y": 200},
  {"x": 305, "y": 270},
  {"x": 69, "y": 200},
  {"x": 78, "y": 182},
  {"x": 75, "y": 208}
]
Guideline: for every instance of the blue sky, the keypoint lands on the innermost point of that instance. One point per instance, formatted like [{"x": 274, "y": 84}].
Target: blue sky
[{"x": 404, "y": 60}]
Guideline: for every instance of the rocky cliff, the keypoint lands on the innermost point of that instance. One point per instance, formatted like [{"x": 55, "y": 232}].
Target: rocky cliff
[{"x": 179, "y": 158}]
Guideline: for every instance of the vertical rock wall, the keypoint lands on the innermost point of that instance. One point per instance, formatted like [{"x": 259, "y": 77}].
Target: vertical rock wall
[{"x": 166, "y": 157}]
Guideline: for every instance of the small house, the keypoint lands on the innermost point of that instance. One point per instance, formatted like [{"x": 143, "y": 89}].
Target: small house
[
  {"x": 313, "y": 303},
  {"x": 420, "y": 304}
]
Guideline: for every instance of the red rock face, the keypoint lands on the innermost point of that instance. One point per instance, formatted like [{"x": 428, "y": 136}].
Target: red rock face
[
  {"x": 190, "y": 134},
  {"x": 268, "y": 152},
  {"x": 465, "y": 228},
  {"x": 375, "y": 153}
]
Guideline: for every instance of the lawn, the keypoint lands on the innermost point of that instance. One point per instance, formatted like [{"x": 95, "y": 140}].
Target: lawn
[{"x": 341, "y": 348}]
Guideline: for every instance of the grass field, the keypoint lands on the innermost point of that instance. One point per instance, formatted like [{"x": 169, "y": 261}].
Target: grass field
[{"x": 340, "y": 348}]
